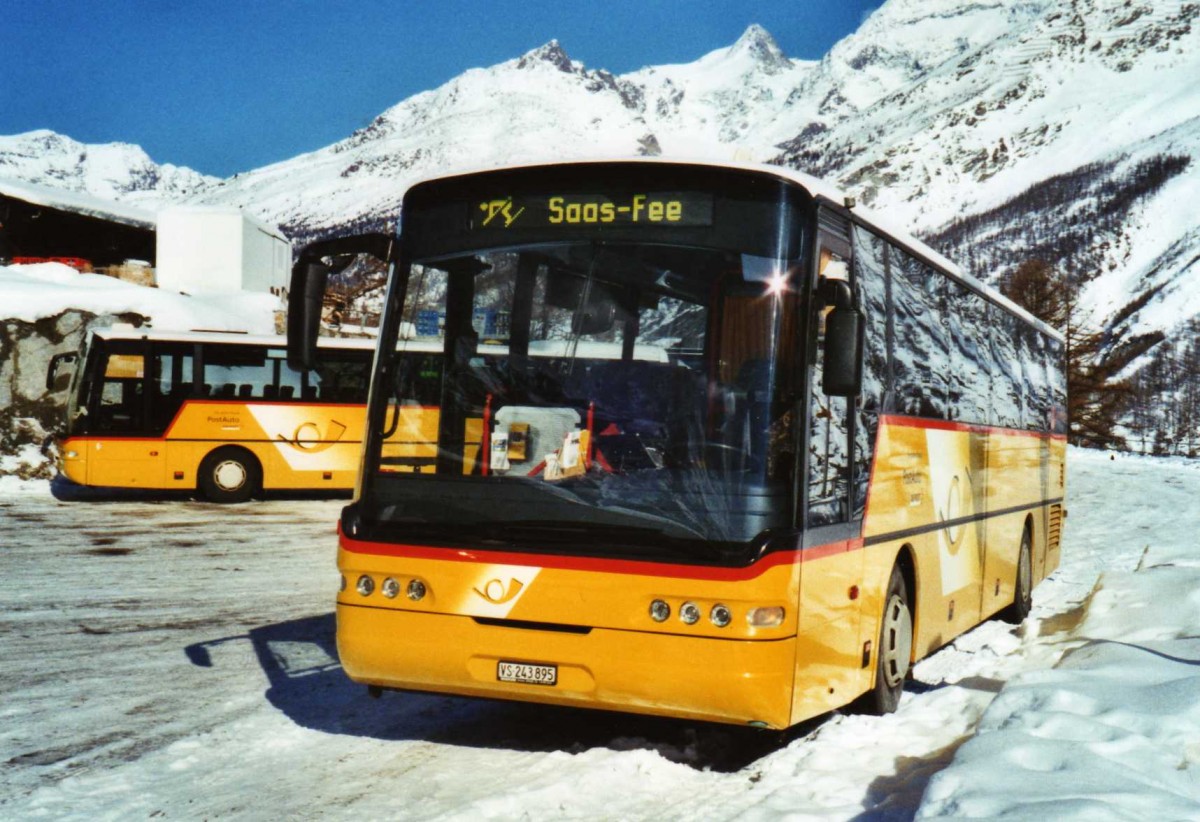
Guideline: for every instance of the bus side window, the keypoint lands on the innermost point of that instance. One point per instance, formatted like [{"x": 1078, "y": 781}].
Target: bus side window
[
  {"x": 1006, "y": 402},
  {"x": 172, "y": 383},
  {"x": 921, "y": 359},
  {"x": 237, "y": 371},
  {"x": 971, "y": 354},
  {"x": 828, "y": 416},
  {"x": 871, "y": 280},
  {"x": 122, "y": 397},
  {"x": 341, "y": 377}
]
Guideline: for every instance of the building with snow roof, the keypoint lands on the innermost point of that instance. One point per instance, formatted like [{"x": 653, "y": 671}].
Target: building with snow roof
[
  {"x": 193, "y": 249},
  {"x": 43, "y": 222}
]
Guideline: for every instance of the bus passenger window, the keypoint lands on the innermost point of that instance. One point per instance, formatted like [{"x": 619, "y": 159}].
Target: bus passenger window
[
  {"x": 172, "y": 384},
  {"x": 122, "y": 401},
  {"x": 230, "y": 367}
]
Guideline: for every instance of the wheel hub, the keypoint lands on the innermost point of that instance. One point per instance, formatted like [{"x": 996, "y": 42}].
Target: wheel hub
[
  {"x": 229, "y": 475},
  {"x": 897, "y": 641}
]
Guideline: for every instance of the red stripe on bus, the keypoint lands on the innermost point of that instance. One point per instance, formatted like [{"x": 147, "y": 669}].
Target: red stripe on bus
[{"x": 597, "y": 564}]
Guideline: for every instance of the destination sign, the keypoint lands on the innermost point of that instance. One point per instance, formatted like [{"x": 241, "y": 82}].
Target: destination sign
[{"x": 652, "y": 209}]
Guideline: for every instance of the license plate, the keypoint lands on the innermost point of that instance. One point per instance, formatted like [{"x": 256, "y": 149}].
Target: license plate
[{"x": 527, "y": 674}]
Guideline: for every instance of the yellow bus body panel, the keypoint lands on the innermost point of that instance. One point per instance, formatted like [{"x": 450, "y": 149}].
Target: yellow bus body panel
[
  {"x": 299, "y": 446},
  {"x": 987, "y": 486},
  {"x": 954, "y": 499},
  {"x": 477, "y": 613}
]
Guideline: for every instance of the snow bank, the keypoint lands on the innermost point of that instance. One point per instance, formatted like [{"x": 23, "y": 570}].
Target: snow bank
[
  {"x": 34, "y": 292},
  {"x": 1113, "y": 730}
]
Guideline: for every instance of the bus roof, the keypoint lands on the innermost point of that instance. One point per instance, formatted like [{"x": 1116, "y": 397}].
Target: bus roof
[
  {"x": 824, "y": 193},
  {"x": 228, "y": 337}
]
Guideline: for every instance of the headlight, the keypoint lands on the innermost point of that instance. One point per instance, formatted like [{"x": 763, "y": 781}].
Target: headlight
[
  {"x": 416, "y": 590},
  {"x": 689, "y": 613},
  {"x": 390, "y": 588},
  {"x": 768, "y": 617},
  {"x": 659, "y": 611},
  {"x": 365, "y": 585},
  {"x": 720, "y": 615}
]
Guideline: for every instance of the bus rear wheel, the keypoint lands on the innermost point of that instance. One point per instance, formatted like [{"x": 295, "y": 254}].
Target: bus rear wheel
[
  {"x": 229, "y": 475},
  {"x": 894, "y": 655},
  {"x": 1022, "y": 602}
]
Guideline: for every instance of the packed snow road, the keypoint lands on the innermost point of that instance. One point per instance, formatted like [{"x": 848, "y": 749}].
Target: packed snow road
[{"x": 176, "y": 659}]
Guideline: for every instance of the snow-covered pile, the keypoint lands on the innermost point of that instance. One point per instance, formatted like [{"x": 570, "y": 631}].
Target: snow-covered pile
[
  {"x": 46, "y": 309},
  {"x": 1113, "y": 730},
  {"x": 34, "y": 292},
  {"x": 196, "y": 655}
]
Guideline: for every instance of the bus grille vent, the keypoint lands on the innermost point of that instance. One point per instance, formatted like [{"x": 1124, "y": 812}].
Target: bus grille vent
[{"x": 1054, "y": 529}]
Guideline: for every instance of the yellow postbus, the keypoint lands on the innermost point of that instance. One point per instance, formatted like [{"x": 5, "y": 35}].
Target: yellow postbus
[
  {"x": 704, "y": 441},
  {"x": 221, "y": 414}
]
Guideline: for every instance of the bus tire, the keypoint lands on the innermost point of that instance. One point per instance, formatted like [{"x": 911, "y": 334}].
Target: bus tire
[
  {"x": 893, "y": 659},
  {"x": 229, "y": 474},
  {"x": 1022, "y": 602}
]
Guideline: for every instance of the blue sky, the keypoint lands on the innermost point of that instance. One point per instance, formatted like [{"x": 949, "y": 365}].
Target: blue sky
[{"x": 230, "y": 85}]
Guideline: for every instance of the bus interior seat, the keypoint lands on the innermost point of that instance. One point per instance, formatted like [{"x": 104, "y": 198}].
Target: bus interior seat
[
  {"x": 286, "y": 392},
  {"x": 227, "y": 390},
  {"x": 637, "y": 395},
  {"x": 270, "y": 392},
  {"x": 310, "y": 392},
  {"x": 245, "y": 391},
  {"x": 753, "y": 385}
]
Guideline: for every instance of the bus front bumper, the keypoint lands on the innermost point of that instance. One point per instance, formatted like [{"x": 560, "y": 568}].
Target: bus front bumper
[{"x": 719, "y": 680}]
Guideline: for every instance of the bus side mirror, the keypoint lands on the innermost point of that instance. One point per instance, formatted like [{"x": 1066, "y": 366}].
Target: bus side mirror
[
  {"x": 306, "y": 299},
  {"x": 841, "y": 374},
  {"x": 55, "y": 381}
]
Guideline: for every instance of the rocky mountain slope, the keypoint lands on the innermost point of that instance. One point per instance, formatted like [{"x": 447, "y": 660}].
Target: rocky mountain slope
[{"x": 999, "y": 129}]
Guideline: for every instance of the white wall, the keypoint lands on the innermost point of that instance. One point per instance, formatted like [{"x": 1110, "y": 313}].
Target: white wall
[{"x": 212, "y": 250}]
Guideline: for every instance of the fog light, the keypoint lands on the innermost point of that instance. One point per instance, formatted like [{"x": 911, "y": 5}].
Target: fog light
[
  {"x": 720, "y": 615},
  {"x": 390, "y": 588},
  {"x": 689, "y": 612},
  {"x": 416, "y": 590},
  {"x": 769, "y": 617},
  {"x": 72, "y": 455},
  {"x": 659, "y": 610},
  {"x": 365, "y": 585}
]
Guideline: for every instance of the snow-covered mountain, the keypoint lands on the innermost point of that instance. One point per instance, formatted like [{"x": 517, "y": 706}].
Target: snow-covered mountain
[
  {"x": 114, "y": 171},
  {"x": 955, "y": 115},
  {"x": 729, "y": 103},
  {"x": 999, "y": 129}
]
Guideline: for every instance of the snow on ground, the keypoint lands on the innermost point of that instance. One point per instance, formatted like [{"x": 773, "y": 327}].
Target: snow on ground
[
  {"x": 176, "y": 659},
  {"x": 33, "y": 292}
]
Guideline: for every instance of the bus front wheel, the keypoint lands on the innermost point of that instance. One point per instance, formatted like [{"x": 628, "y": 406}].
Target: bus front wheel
[
  {"x": 895, "y": 648},
  {"x": 1022, "y": 602},
  {"x": 229, "y": 475}
]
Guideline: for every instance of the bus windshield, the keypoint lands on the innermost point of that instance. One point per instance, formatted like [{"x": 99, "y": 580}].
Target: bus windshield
[{"x": 591, "y": 395}]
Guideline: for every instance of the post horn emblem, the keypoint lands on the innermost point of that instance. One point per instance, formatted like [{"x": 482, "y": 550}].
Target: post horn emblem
[{"x": 495, "y": 592}]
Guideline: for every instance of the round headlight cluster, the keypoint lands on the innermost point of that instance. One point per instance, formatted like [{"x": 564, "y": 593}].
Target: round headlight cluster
[
  {"x": 719, "y": 614},
  {"x": 390, "y": 587},
  {"x": 689, "y": 613}
]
